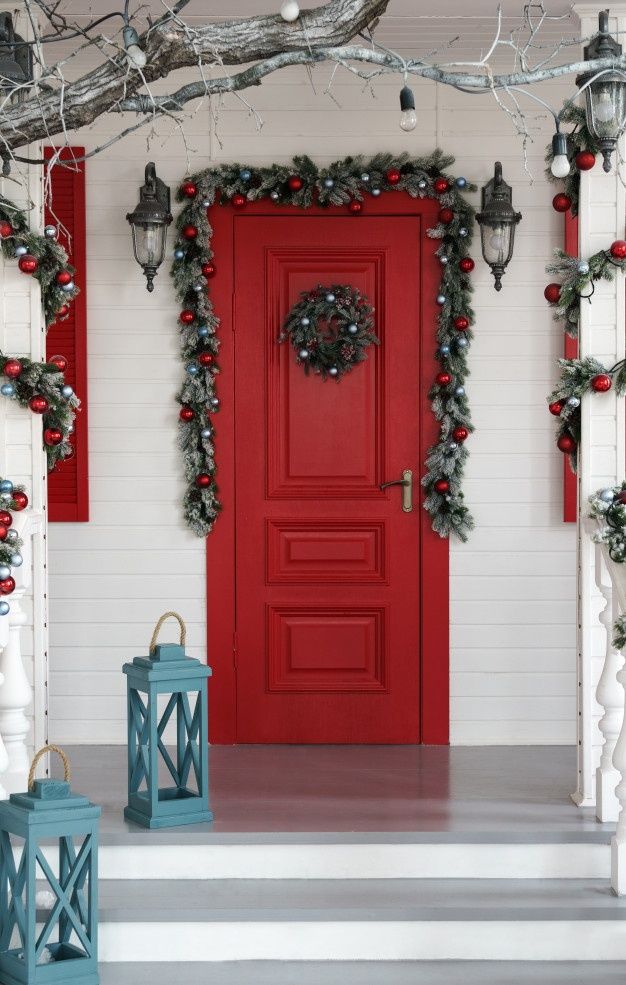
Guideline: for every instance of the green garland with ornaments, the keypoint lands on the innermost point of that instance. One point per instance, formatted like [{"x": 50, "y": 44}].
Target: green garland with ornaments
[
  {"x": 580, "y": 376},
  {"x": 13, "y": 499},
  {"x": 609, "y": 507},
  {"x": 577, "y": 281},
  {"x": 582, "y": 150},
  {"x": 347, "y": 183},
  {"x": 347, "y": 328}
]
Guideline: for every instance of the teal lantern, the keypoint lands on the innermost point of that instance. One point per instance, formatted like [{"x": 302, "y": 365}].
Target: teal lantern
[
  {"x": 167, "y": 671},
  {"x": 48, "y": 837}
]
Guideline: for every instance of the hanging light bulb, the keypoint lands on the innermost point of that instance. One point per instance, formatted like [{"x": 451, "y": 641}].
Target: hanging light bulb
[
  {"x": 408, "y": 116},
  {"x": 289, "y": 10},
  {"x": 560, "y": 166},
  {"x": 136, "y": 56}
]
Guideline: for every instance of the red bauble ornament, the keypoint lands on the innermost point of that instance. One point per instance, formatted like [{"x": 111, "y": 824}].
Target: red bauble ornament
[
  {"x": 52, "y": 436},
  {"x": 208, "y": 269},
  {"x": 3, "y": 532},
  {"x": 189, "y": 232},
  {"x": 6, "y": 229},
  {"x": 238, "y": 201},
  {"x": 7, "y": 585},
  {"x": 393, "y": 176},
  {"x": 295, "y": 182},
  {"x": 63, "y": 277},
  {"x": 12, "y": 368},
  {"x": 28, "y": 264},
  {"x": 446, "y": 216},
  {"x": 5, "y": 518},
  {"x": 566, "y": 444},
  {"x": 60, "y": 362},
  {"x": 441, "y": 185},
  {"x": 466, "y": 265},
  {"x": 205, "y": 358},
  {"x": 63, "y": 311},
  {"x": 461, "y": 323},
  {"x": 552, "y": 293},
  {"x": 618, "y": 249},
  {"x": 585, "y": 160},
  {"x": 621, "y": 497},
  {"x": 561, "y": 202},
  {"x": 556, "y": 407},
  {"x": 186, "y": 413},
  {"x": 20, "y": 501},
  {"x": 460, "y": 433},
  {"x": 443, "y": 379},
  {"x": 601, "y": 383},
  {"x": 188, "y": 189},
  {"x": 38, "y": 404},
  {"x": 355, "y": 206},
  {"x": 203, "y": 480},
  {"x": 186, "y": 316},
  {"x": 442, "y": 485}
]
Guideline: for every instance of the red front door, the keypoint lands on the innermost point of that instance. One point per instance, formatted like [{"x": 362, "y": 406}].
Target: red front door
[{"x": 327, "y": 585}]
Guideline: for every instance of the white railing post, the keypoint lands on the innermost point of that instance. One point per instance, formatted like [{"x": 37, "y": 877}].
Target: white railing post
[
  {"x": 618, "y": 841},
  {"x": 610, "y": 695}
]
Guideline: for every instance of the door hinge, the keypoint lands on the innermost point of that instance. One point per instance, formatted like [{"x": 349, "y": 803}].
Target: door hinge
[{"x": 235, "y": 648}]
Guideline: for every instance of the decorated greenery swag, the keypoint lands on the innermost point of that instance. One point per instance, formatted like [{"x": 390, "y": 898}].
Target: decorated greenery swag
[
  {"x": 579, "y": 139},
  {"x": 608, "y": 506},
  {"x": 577, "y": 281},
  {"x": 349, "y": 183},
  {"x": 12, "y": 499}
]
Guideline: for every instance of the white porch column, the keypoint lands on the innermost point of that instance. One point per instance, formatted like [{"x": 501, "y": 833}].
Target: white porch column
[{"x": 601, "y": 452}]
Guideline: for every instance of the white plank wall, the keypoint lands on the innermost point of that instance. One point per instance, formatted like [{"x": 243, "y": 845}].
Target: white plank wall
[{"x": 513, "y": 587}]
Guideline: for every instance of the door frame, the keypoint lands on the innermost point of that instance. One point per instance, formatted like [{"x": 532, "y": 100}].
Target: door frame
[{"x": 220, "y": 555}]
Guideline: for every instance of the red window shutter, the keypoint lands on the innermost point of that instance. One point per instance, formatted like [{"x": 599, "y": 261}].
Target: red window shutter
[
  {"x": 68, "y": 485},
  {"x": 570, "y": 352}
]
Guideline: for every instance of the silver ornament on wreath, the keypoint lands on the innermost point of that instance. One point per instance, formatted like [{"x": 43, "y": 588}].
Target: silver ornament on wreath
[{"x": 330, "y": 329}]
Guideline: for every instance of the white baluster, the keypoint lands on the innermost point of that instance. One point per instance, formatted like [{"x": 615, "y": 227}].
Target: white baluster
[
  {"x": 610, "y": 695},
  {"x": 618, "y": 841},
  {"x": 16, "y": 692}
]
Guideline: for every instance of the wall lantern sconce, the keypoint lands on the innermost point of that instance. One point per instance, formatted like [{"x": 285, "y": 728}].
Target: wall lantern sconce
[
  {"x": 149, "y": 223},
  {"x": 605, "y": 92},
  {"x": 497, "y": 221},
  {"x": 16, "y": 61}
]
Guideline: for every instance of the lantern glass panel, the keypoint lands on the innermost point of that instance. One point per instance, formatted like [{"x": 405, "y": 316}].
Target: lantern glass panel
[
  {"x": 149, "y": 241},
  {"x": 606, "y": 107},
  {"x": 497, "y": 242}
]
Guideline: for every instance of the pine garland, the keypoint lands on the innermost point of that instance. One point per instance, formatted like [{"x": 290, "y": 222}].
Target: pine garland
[
  {"x": 349, "y": 320},
  {"x": 578, "y": 277},
  {"x": 347, "y": 182},
  {"x": 12, "y": 499},
  {"x": 579, "y": 139},
  {"x": 609, "y": 506}
]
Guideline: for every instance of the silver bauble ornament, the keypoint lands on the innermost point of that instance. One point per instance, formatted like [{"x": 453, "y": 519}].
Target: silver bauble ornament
[
  {"x": 583, "y": 267},
  {"x": 365, "y": 177},
  {"x": 193, "y": 369},
  {"x": 329, "y": 182},
  {"x": 6, "y": 486},
  {"x": 606, "y": 495},
  {"x": 214, "y": 401},
  {"x": 375, "y": 192},
  {"x": 12, "y": 535},
  {"x": 198, "y": 287},
  {"x": 5, "y": 571},
  {"x": 459, "y": 391},
  {"x": 422, "y": 184},
  {"x": 333, "y": 371},
  {"x": 462, "y": 231},
  {"x": 461, "y": 182},
  {"x": 179, "y": 254},
  {"x": 444, "y": 350},
  {"x": 443, "y": 260},
  {"x": 68, "y": 287},
  {"x": 7, "y": 390},
  {"x": 353, "y": 328},
  {"x": 50, "y": 231},
  {"x": 206, "y": 204},
  {"x": 245, "y": 174},
  {"x": 453, "y": 446},
  {"x": 573, "y": 402},
  {"x": 461, "y": 342},
  {"x": 303, "y": 354},
  {"x": 67, "y": 391},
  {"x": 305, "y": 321},
  {"x": 4, "y": 608},
  {"x": 206, "y": 433},
  {"x": 203, "y": 331},
  {"x": 274, "y": 196},
  {"x": 441, "y": 299},
  {"x": 330, "y": 298},
  {"x": 21, "y": 251}
]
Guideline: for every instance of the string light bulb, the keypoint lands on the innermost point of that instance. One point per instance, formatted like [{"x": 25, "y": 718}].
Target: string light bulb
[
  {"x": 408, "y": 116},
  {"x": 136, "y": 56},
  {"x": 560, "y": 166},
  {"x": 289, "y": 11}
]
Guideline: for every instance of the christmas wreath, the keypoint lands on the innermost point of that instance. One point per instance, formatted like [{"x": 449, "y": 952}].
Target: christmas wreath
[
  {"x": 345, "y": 183},
  {"x": 330, "y": 328},
  {"x": 580, "y": 376},
  {"x": 12, "y": 499},
  {"x": 578, "y": 278}
]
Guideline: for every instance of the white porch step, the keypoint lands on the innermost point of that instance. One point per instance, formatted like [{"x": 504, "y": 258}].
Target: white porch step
[
  {"x": 364, "y": 973},
  {"x": 369, "y": 920}
]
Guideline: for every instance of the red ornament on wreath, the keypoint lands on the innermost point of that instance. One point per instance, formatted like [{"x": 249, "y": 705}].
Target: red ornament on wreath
[
  {"x": 206, "y": 358},
  {"x": 566, "y": 444},
  {"x": 12, "y": 368},
  {"x": 460, "y": 433},
  {"x": 188, "y": 189},
  {"x": 601, "y": 383},
  {"x": 441, "y": 185},
  {"x": 203, "y": 480},
  {"x": 3, "y": 532},
  {"x": 63, "y": 311},
  {"x": 5, "y": 518},
  {"x": 28, "y": 264},
  {"x": 60, "y": 362},
  {"x": 295, "y": 183},
  {"x": 63, "y": 278},
  {"x": 443, "y": 379},
  {"x": 466, "y": 265},
  {"x": 442, "y": 486},
  {"x": 7, "y": 585},
  {"x": 20, "y": 501},
  {"x": 238, "y": 201},
  {"x": 461, "y": 323},
  {"x": 393, "y": 176},
  {"x": 561, "y": 202},
  {"x": 552, "y": 293},
  {"x": 585, "y": 160},
  {"x": 186, "y": 413},
  {"x": 52, "y": 437},
  {"x": 618, "y": 249},
  {"x": 6, "y": 229},
  {"x": 186, "y": 316},
  {"x": 556, "y": 407},
  {"x": 189, "y": 231},
  {"x": 446, "y": 216},
  {"x": 208, "y": 269},
  {"x": 621, "y": 497},
  {"x": 355, "y": 206},
  {"x": 38, "y": 404}
]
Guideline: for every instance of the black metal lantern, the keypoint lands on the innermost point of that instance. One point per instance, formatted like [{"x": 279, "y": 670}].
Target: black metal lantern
[
  {"x": 149, "y": 223},
  {"x": 605, "y": 92},
  {"x": 497, "y": 221},
  {"x": 16, "y": 61}
]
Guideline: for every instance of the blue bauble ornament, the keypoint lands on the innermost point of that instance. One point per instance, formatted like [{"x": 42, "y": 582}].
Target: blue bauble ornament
[
  {"x": 461, "y": 182},
  {"x": 5, "y": 571},
  {"x": 353, "y": 328},
  {"x": 17, "y": 560},
  {"x": 305, "y": 322},
  {"x": 444, "y": 350},
  {"x": 329, "y": 182},
  {"x": 193, "y": 369},
  {"x": 179, "y": 254},
  {"x": 4, "y": 608},
  {"x": 441, "y": 299},
  {"x": 203, "y": 331},
  {"x": 333, "y": 371},
  {"x": 6, "y": 486},
  {"x": 375, "y": 192},
  {"x": 206, "y": 433},
  {"x": 67, "y": 391},
  {"x": 583, "y": 268},
  {"x": 21, "y": 251},
  {"x": 459, "y": 391},
  {"x": 573, "y": 402},
  {"x": 462, "y": 343},
  {"x": 7, "y": 390},
  {"x": 245, "y": 174},
  {"x": 606, "y": 495},
  {"x": 330, "y": 298},
  {"x": 303, "y": 354}
]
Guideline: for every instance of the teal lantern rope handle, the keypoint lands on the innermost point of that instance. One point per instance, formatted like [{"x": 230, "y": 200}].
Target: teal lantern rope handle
[
  {"x": 157, "y": 628},
  {"x": 67, "y": 772}
]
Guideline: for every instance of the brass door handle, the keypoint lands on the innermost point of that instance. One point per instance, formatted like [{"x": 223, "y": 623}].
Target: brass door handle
[{"x": 407, "y": 489}]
